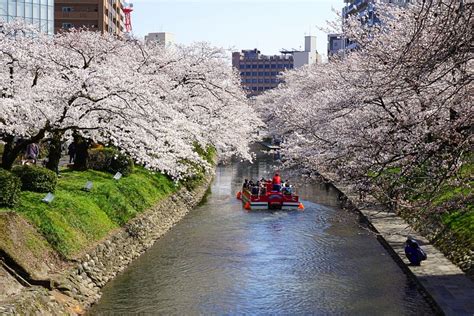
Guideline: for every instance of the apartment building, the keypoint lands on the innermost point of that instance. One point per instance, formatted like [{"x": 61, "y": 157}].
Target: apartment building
[
  {"x": 259, "y": 72},
  {"x": 105, "y": 16},
  {"x": 37, "y": 12}
]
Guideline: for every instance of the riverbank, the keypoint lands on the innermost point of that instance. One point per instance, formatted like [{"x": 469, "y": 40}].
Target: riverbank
[
  {"x": 43, "y": 277},
  {"x": 444, "y": 283}
]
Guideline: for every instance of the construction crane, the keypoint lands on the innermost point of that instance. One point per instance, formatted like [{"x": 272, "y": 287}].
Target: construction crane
[{"x": 127, "y": 8}]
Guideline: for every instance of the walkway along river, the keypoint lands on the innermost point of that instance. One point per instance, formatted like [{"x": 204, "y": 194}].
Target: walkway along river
[{"x": 221, "y": 259}]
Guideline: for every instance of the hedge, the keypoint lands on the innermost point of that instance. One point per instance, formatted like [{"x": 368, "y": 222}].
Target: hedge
[
  {"x": 10, "y": 186},
  {"x": 109, "y": 160},
  {"x": 36, "y": 179}
]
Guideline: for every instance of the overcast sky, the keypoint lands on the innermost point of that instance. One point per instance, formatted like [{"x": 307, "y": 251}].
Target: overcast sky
[{"x": 268, "y": 25}]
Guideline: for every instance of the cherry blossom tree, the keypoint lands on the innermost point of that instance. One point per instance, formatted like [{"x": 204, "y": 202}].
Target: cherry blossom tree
[
  {"x": 397, "y": 111},
  {"x": 153, "y": 104}
]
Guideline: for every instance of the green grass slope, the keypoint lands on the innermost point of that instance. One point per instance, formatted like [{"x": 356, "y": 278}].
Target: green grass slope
[{"x": 75, "y": 219}]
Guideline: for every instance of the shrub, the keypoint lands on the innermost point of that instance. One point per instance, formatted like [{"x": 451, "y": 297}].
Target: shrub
[
  {"x": 10, "y": 186},
  {"x": 36, "y": 179},
  {"x": 109, "y": 160}
]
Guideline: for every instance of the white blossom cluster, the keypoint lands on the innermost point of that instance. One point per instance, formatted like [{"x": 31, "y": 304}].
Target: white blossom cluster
[
  {"x": 154, "y": 104},
  {"x": 400, "y": 105}
]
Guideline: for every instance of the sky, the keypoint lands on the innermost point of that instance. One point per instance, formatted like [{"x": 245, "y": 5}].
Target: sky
[{"x": 268, "y": 25}]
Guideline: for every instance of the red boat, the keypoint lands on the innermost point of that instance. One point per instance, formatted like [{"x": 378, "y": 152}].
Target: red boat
[{"x": 268, "y": 197}]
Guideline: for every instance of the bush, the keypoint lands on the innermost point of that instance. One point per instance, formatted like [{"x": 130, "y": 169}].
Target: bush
[
  {"x": 36, "y": 179},
  {"x": 109, "y": 160},
  {"x": 10, "y": 186}
]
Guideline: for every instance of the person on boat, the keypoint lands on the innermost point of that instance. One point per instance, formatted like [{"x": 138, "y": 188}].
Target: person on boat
[
  {"x": 414, "y": 252},
  {"x": 287, "y": 189},
  {"x": 246, "y": 184},
  {"x": 255, "y": 190},
  {"x": 276, "y": 182}
]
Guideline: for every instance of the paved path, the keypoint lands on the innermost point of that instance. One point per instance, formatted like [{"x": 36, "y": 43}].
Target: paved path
[{"x": 447, "y": 285}]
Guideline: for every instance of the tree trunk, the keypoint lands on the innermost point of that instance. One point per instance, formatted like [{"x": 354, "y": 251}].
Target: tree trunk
[
  {"x": 82, "y": 145},
  {"x": 55, "y": 151},
  {"x": 9, "y": 154},
  {"x": 12, "y": 150}
]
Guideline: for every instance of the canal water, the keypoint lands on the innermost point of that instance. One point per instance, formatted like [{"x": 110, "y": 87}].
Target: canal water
[{"x": 222, "y": 260}]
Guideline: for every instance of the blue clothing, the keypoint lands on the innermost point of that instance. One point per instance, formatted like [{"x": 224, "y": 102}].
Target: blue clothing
[{"x": 414, "y": 253}]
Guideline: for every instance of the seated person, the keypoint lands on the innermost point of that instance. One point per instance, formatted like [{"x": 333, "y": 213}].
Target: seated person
[
  {"x": 254, "y": 190},
  {"x": 413, "y": 252}
]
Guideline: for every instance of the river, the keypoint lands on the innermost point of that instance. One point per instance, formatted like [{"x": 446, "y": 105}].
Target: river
[{"x": 221, "y": 259}]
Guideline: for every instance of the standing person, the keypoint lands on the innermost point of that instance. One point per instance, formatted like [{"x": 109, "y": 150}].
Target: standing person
[
  {"x": 32, "y": 152},
  {"x": 276, "y": 181},
  {"x": 71, "y": 150}
]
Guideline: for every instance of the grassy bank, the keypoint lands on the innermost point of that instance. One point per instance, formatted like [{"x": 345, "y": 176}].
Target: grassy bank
[{"x": 76, "y": 218}]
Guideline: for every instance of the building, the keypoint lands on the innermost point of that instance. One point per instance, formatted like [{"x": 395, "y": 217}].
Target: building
[
  {"x": 259, "y": 72},
  {"x": 367, "y": 9},
  {"x": 37, "y": 12},
  {"x": 309, "y": 55},
  {"x": 335, "y": 44},
  {"x": 164, "y": 38},
  {"x": 105, "y": 16},
  {"x": 366, "y": 12}
]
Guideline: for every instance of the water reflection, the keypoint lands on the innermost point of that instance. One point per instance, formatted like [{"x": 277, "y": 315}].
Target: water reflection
[{"x": 223, "y": 260}]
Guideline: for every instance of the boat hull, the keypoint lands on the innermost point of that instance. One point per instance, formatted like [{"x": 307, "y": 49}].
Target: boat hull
[{"x": 270, "y": 201}]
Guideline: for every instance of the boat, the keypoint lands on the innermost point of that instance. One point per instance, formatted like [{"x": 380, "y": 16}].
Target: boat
[{"x": 268, "y": 198}]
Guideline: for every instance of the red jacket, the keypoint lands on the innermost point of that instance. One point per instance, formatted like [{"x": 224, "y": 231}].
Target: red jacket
[{"x": 276, "y": 179}]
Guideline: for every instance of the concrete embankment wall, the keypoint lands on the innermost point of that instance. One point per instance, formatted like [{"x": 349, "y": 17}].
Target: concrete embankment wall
[{"x": 77, "y": 288}]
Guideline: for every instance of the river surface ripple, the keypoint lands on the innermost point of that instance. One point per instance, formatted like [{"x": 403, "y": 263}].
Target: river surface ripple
[{"x": 222, "y": 260}]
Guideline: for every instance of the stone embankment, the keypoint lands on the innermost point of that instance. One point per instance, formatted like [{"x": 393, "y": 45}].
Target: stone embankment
[
  {"x": 73, "y": 291},
  {"x": 450, "y": 291}
]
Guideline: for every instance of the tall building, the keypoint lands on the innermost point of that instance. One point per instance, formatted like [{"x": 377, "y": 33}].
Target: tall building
[
  {"x": 37, "y": 12},
  {"x": 367, "y": 9},
  {"x": 105, "y": 16},
  {"x": 366, "y": 12},
  {"x": 259, "y": 72},
  {"x": 164, "y": 38}
]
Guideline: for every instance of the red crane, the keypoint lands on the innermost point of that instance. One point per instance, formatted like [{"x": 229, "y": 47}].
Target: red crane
[{"x": 127, "y": 10}]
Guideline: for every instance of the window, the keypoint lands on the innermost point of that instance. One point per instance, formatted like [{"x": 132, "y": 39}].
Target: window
[
  {"x": 67, "y": 9},
  {"x": 254, "y": 80},
  {"x": 274, "y": 73},
  {"x": 267, "y": 66},
  {"x": 248, "y": 66},
  {"x": 254, "y": 88},
  {"x": 241, "y": 66},
  {"x": 260, "y": 88},
  {"x": 242, "y": 73},
  {"x": 254, "y": 73},
  {"x": 273, "y": 66},
  {"x": 260, "y": 66},
  {"x": 248, "y": 73},
  {"x": 254, "y": 66},
  {"x": 267, "y": 81},
  {"x": 261, "y": 73},
  {"x": 67, "y": 26},
  {"x": 267, "y": 73}
]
